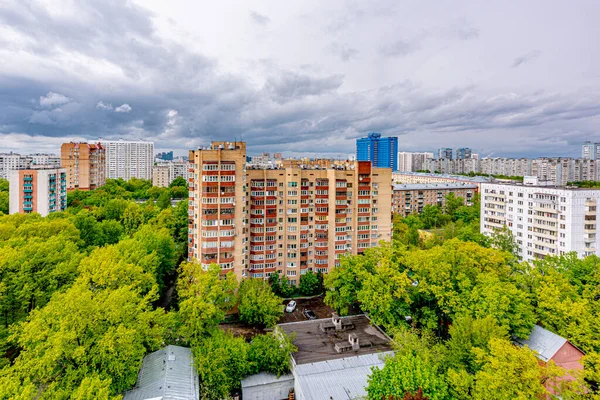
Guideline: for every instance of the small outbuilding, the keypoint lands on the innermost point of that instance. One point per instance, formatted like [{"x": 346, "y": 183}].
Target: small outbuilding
[{"x": 166, "y": 374}]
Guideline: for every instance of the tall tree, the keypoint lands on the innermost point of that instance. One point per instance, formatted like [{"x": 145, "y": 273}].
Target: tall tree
[
  {"x": 258, "y": 305},
  {"x": 204, "y": 298}
]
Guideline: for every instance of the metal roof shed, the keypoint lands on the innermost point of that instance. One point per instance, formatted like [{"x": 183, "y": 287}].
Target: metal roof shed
[{"x": 166, "y": 374}]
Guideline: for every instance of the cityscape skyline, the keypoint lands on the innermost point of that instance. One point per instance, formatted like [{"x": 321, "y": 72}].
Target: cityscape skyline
[{"x": 433, "y": 80}]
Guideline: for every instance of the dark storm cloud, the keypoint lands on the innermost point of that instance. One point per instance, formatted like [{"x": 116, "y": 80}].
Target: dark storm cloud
[{"x": 135, "y": 84}]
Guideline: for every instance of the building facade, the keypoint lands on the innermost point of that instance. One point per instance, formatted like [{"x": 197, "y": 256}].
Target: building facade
[
  {"x": 412, "y": 162},
  {"x": 426, "y": 178},
  {"x": 13, "y": 161},
  {"x": 287, "y": 220},
  {"x": 463, "y": 153},
  {"x": 163, "y": 173},
  {"x": 128, "y": 159},
  {"x": 39, "y": 190},
  {"x": 85, "y": 164},
  {"x": 411, "y": 198},
  {"x": 590, "y": 151},
  {"x": 382, "y": 152},
  {"x": 444, "y": 152},
  {"x": 544, "y": 219}
]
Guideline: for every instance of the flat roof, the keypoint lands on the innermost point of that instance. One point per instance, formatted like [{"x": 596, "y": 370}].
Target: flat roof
[
  {"x": 429, "y": 186},
  {"x": 314, "y": 345}
]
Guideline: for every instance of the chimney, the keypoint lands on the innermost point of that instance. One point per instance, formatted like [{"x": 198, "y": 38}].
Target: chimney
[
  {"x": 337, "y": 321},
  {"x": 353, "y": 339}
]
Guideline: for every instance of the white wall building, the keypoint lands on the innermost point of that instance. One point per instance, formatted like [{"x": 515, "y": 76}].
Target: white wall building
[
  {"x": 544, "y": 219},
  {"x": 128, "y": 159},
  {"x": 411, "y": 162},
  {"x": 40, "y": 190},
  {"x": 13, "y": 161},
  {"x": 163, "y": 173}
]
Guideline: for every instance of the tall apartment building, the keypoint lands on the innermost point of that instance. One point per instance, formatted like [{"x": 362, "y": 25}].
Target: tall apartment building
[
  {"x": 544, "y": 219},
  {"x": 382, "y": 152},
  {"x": 85, "y": 164},
  {"x": 463, "y": 153},
  {"x": 289, "y": 219},
  {"x": 163, "y": 173},
  {"x": 411, "y": 198},
  {"x": 37, "y": 190},
  {"x": 411, "y": 162},
  {"x": 444, "y": 152},
  {"x": 128, "y": 159},
  {"x": 590, "y": 151}
]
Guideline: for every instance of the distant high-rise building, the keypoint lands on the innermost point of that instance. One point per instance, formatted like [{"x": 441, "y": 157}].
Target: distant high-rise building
[
  {"x": 590, "y": 151},
  {"x": 37, "y": 190},
  {"x": 165, "y": 156},
  {"x": 85, "y": 165},
  {"x": 464, "y": 153},
  {"x": 444, "y": 152},
  {"x": 163, "y": 173},
  {"x": 12, "y": 161},
  {"x": 382, "y": 152},
  {"x": 128, "y": 159},
  {"x": 412, "y": 162}
]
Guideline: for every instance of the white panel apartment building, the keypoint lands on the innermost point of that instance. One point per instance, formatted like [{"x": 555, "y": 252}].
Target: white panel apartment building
[
  {"x": 411, "y": 162},
  {"x": 128, "y": 159},
  {"x": 545, "y": 220}
]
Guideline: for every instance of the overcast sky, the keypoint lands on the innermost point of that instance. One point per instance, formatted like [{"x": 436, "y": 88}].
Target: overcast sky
[{"x": 512, "y": 78}]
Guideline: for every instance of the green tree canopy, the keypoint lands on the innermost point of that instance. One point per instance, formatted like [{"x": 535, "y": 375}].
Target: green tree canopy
[{"x": 258, "y": 305}]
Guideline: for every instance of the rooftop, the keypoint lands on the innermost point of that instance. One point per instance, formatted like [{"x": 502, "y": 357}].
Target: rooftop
[
  {"x": 425, "y": 186},
  {"x": 317, "y": 339},
  {"x": 465, "y": 178},
  {"x": 344, "y": 378},
  {"x": 166, "y": 374},
  {"x": 544, "y": 342}
]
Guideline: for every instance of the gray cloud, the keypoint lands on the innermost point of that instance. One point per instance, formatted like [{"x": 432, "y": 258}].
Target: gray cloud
[
  {"x": 526, "y": 58},
  {"x": 260, "y": 19},
  {"x": 344, "y": 52},
  {"x": 85, "y": 66},
  {"x": 397, "y": 49}
]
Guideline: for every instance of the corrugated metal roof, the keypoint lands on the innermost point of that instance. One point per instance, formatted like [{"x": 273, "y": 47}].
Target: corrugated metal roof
[
  {"x": 167, "y": 374},
  {"x": 343, "y": 378},
  {"x": 264, "y": 378},
  {"x": 544, "y": 342}
]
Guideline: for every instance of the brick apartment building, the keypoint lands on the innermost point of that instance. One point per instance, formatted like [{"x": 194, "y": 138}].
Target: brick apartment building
[
  {"x": 256, "y": 221},
  {"x": 85, "y": 165}
]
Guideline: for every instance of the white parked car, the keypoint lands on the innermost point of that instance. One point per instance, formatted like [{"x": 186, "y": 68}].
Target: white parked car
[{"x": 291, "y": 306}]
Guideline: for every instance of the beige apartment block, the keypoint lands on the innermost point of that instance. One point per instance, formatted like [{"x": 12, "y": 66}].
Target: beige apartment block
[
  {"x": 161, "y": 176},
  {"x": 218, "y": 226},
  {"x": 411, "y": 198},
  {"x": 85, "y": 165},
  {"x": 288, "y": 220}
]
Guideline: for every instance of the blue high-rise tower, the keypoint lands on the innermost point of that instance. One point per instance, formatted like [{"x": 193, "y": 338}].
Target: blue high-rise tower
[{"x": 382, "y": 152}]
